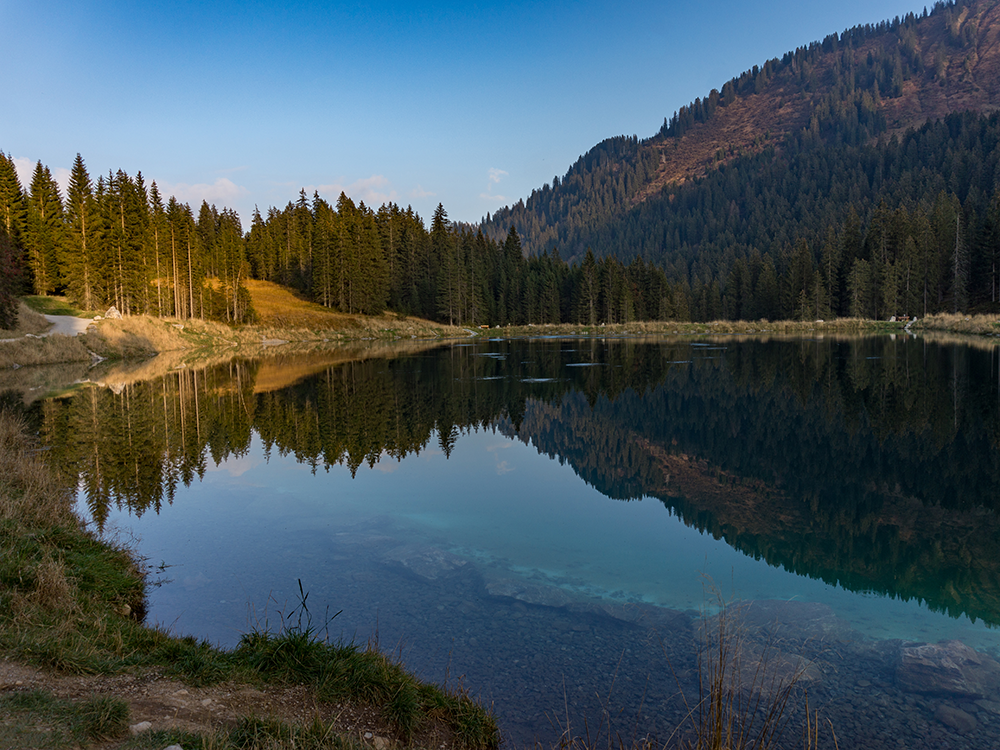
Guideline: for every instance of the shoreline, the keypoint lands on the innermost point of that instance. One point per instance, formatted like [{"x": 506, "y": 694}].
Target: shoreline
[
  {"x": 187, "y": 342},
  {"x": 73, "y": 637}
]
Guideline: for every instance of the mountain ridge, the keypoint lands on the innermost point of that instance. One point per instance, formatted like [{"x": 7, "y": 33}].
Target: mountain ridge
[{"x": 895, "y": 76}]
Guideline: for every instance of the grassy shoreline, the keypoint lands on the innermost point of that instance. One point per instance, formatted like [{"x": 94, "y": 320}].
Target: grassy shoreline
[
  {"x": 72, "y": 604},
  {"x": 144, "y": 337},
  {"x": 287, "y": 323}
]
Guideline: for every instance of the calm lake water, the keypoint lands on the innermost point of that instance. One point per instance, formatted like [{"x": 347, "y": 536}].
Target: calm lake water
[{"x": 551, "y": 521}]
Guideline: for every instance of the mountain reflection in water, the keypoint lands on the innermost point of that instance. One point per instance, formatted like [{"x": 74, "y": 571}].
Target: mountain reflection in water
[{"x": 870, "y": 465}]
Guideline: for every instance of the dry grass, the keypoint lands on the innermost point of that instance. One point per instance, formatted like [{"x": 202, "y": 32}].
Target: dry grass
[
  {"x": 143, "y": 336},
  {"x": 28, "y": 321},
  {"x": 988, "y": 325},
  {"x": 52, "y": 589},
  {"x": 280, "y": 310},
  {"x": 746, "y": 688},
  {"x": 283, "y": 319},
  {"x": 846, "y": 326},
  {"x": 42, "y": 351}
]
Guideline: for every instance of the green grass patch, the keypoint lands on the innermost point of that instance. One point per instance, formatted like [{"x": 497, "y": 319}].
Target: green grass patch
[
  {"x": 103, "y": 718},
  {"x": 55, "y": 306},
  {"x": 38, "y": 719},
  {"x": 252, "y": 733}
]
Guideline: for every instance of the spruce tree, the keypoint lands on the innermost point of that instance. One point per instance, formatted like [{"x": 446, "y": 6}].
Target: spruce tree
[
  {"x": 44, "y": 232},
  {"x": 80, "y": 236},
  {"x": 12, "y": 202}
]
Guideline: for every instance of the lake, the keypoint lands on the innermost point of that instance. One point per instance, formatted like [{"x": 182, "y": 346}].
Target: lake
[{"x": 553, "y": 522}]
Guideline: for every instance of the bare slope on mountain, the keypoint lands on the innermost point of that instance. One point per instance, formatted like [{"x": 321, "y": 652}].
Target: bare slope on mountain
[
  {"x": 847, "y": 89},
  {"x": 960, "y": 59}
]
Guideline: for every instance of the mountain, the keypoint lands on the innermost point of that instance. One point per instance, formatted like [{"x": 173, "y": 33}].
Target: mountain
[{"x": 785, "y": 151}]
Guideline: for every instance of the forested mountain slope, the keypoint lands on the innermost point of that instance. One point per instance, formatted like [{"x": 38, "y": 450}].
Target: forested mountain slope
[{"x": 783, "y": 152}]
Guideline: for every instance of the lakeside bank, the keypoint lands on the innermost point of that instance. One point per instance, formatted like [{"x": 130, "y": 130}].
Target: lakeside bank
[{"x": 77, "y": 662}]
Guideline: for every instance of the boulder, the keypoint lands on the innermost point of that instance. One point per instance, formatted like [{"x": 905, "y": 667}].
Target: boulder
[
  {"x": 757, "y": 669},
  {"x": 955, "y": 718},
  {"x": 637, "y": 613},
  {"x": 113, "y": 314},
  {"x": 530, "y": 593},
  {"x": 428, "y": 563},
  {"x": 791, "y": 618},
  {"x": 947, "y": 668}
]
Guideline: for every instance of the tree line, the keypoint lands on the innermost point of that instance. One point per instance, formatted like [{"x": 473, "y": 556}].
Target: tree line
[
  {"x": 115, "y": 242},
  {"x": 745, "y": 235},
  {"x": 930, "y": 243}
]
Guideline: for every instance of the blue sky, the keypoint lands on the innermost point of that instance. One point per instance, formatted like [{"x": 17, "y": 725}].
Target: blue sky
[{"x": 468, "y": 104}]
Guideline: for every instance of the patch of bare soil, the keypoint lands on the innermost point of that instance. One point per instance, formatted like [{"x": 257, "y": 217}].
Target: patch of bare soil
[{"x": 169, "y": 704}]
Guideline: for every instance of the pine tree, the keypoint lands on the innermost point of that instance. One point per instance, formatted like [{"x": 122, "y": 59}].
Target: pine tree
[
  {"x": 157, "y": 243},
  {"x": 81, "y": 239},
  {"x": 10, "y": 279},
  {"x": 587, "y": 291},
  {"x": 12, "y": 202},
  {"x": 44, "y": 232}
]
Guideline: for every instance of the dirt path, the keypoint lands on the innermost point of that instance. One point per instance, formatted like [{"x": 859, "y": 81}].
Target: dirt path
[
  {"x": 67, "y": 325},
  {"x": 165, "y": 703}
]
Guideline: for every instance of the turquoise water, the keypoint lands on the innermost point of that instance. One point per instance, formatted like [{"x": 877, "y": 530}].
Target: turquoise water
[
  {"x": 244, "y": 534},
  {"x": 480, "y": 509}
]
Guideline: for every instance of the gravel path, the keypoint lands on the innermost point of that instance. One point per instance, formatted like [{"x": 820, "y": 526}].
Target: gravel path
[{"x": 67, "y": 325}]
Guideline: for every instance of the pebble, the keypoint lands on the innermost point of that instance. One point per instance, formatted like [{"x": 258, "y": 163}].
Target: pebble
[{"x": 142, "y": 726}]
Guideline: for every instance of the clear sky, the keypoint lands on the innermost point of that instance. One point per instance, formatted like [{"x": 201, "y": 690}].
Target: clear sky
[{"x": 468, "y": 104}]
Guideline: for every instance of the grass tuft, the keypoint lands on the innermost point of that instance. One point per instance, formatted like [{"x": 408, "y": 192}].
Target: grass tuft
[
  {"x": 104, "y": 718},
  {"x": 255, "y": 733}
]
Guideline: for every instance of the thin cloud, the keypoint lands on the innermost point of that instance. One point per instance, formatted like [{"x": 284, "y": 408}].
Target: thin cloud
[
  {"x": 374, "y": 191},
  {"x": 419, "y": 192},
  {"x": 502, "y": 467},
  {"x": 235, "y": 467},
  {"x": 223, "y": 192},
  {"x": 494, "y": 177},
  {"x": 25, "y": 169}
]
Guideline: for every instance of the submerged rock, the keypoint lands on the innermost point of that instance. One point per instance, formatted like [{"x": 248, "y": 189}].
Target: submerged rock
[
  {"x": 758, "y": 669},
  {"x": 646, "y": 615},
  {"x": 428, "y": 563},
  {"x": 530, "y": 593},
  {"x": 807, "y": 620},
  {"x": 955, "y": 718},
  {"x": 949, "y": 668}
]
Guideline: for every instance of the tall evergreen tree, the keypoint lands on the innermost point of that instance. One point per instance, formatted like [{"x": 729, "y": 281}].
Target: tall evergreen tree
[
  {"x": 12, "y": 202},
  {"x": 44, "y": 232},
  {"x": 81, "y": 237}
]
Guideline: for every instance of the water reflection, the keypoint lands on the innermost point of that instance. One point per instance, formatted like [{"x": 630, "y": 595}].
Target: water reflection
[{"x": 865, "y": 464}]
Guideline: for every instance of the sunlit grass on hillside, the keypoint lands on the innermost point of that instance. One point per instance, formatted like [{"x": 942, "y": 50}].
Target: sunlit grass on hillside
[
  {"x": 45, "y": 305},
  {"x": 28, "y": 321},
  {"x": 277, "y": 306},
  {"x": 279, "y": 309}
]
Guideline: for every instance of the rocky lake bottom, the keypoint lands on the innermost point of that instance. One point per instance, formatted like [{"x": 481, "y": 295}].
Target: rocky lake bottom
[{"x": 552, "y": 662}]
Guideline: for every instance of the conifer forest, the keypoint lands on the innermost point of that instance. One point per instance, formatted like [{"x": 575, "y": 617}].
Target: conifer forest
[{"x": 841, "y": 213}]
